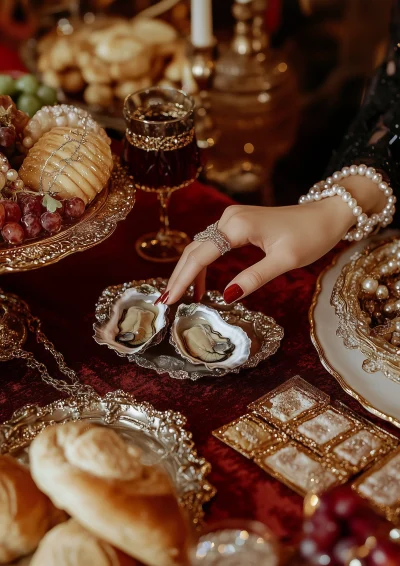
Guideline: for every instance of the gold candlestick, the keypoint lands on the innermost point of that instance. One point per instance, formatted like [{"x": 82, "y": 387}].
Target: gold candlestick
[{"x": 203, "y": 66}]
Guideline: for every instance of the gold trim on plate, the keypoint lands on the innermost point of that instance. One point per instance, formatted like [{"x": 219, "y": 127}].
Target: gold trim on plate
[{"x": 323, "y": 358}]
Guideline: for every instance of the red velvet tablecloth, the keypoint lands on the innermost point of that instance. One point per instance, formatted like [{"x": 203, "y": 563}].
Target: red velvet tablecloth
[{"x": 64, "y": 296}]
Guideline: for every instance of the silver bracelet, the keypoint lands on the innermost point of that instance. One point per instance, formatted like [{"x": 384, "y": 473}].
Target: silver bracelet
[{"x": 364, "y": 225}]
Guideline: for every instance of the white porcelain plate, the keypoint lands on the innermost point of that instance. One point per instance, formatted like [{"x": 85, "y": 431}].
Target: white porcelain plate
[{"x": 374, "y": 391}]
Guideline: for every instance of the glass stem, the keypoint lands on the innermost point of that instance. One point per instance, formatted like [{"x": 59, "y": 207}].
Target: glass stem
[{"x": 163, "y": 197}]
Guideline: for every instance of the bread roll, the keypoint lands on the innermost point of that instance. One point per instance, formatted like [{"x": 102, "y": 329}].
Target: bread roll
[
  {"x": 26, "y": 514},
  {"x": 153, "y": 32},
  {"x": 70, "y": 544},
  {"x": 69, "y": 162},
  {"x": 91, "y": 473}
]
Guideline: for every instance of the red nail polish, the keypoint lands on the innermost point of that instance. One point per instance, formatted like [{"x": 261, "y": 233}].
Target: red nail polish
[
  {"x": 161, "y": 298},
  {"x": 233, "y": 293},
  {"x": 164, "y": 298}
]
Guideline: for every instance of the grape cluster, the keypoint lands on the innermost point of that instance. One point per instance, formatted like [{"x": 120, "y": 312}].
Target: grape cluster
[
  {"x": 344, "y": 529},
  {"x": 12, "y": 124},
  {"x": 27, "y": 92},
  {"x": 23, "y": 216},
  {"x": 26, "y": 218}
]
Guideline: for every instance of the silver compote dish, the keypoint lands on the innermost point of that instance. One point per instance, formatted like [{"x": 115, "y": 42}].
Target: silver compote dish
[
  {"x": 249, "y": 336},
  {"x": 161, "y": 435}
]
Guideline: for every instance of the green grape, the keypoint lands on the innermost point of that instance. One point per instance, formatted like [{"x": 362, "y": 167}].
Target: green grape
[
  {"x": 7, "y": 85},
  {"x": 47, "y": 94},
  {"x": 29, "y": 103},
  {"x": 27, "y": 84}
]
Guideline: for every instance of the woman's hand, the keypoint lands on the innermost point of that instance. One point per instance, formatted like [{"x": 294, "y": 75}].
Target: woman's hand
[{"x": 290, "y": 237}]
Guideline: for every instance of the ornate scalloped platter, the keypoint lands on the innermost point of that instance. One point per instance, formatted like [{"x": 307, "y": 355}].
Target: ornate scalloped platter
[
  {"x": 376, "y": 392},
  {"x": 265, "y": 334},
  {"x": 111, "y": 206},
  {"x": 161, "y": 436}
]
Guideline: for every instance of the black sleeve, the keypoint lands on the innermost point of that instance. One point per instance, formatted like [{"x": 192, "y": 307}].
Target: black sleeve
[{"x": 374, "y": 136}]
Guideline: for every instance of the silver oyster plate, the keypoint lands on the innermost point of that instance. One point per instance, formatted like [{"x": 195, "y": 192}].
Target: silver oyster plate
[
  {"x": 161, "y": 436},
  {"x": 264, "y": 333}
]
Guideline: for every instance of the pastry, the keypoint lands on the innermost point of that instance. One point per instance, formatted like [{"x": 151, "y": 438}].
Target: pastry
[
  {"x": 26, "y": 514},
  {"x": 98, "y": 94},
  {"x": 72, "y": 81},
  {"x": 49, "y": 117},
  {"x": 96, "y": 71},
  {"x": 153, "y": 32},
  {"x": 91, "y": 473},
  {"x": 70, "y": 544},
  {"x": 131, "y": 69},
  {"x": 124, "y": 89},
  {"x": 68, "y": 162},
  {"x": 110, "y": 51},
  {"x": 116, "y": 49}
]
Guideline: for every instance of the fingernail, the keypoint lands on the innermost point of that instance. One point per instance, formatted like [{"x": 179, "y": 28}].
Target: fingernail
[
  {"x": 233, "y": 293},
  {"x": 162, "y": 298}
]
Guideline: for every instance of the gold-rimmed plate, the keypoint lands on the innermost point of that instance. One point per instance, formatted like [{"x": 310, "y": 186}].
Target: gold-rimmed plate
[
  {"x": 111, "y": 206},
  {"x": 378, "y": 394}
]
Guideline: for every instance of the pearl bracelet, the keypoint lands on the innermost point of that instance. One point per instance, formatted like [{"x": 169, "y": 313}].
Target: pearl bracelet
[{"x": 364, "y": 225}]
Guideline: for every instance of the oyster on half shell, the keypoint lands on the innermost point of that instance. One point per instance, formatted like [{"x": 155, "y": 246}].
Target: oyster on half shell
[
  {"x": 201, "y": 336},
  {"x": 135, "y": 322}
]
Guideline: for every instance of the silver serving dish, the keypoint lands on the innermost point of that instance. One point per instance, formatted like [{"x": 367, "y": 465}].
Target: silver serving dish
[
  {"x": 265, "y": 334},
  {"x": 161, "y": 436}
]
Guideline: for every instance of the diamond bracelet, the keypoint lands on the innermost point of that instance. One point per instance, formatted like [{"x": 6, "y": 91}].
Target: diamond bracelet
[{"x": 364, "y": 225}]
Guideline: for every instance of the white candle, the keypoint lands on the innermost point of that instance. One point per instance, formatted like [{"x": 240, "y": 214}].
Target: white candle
[{"x": 202, "y": 28}]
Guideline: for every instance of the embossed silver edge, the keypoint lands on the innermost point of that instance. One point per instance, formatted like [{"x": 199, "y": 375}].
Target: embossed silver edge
[
  {"x": 27, "y": 422},
  {"x": 265, "y": 327}
]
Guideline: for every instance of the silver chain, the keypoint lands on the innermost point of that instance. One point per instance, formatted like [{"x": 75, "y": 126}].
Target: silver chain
[{"x": 75, "y": 387}]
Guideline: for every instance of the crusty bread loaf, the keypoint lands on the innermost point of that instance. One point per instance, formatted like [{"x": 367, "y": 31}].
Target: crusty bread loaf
[
  {"x": 91, "y": 473},
  {"x": 26, "y": 514},
  {"x": 70, "y": 544},
  {"x": 69, "y": 162}
]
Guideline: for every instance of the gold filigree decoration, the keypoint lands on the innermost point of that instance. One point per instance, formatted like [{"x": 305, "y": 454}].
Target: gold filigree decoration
[
  {"x": 165, "y": 143},
  {"x": 353, "y": 323}
]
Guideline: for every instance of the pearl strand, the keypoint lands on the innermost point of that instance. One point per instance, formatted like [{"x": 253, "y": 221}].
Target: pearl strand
[{"x": 364, "y": 225}]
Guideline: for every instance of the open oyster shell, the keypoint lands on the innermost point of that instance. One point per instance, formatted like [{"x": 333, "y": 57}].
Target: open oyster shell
[
  {"x": 135, "y": 322},
  {"x": 201, "y": 336}
]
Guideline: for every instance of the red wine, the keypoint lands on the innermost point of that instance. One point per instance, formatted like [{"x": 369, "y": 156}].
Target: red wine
[{"x": 166, "y": 162}]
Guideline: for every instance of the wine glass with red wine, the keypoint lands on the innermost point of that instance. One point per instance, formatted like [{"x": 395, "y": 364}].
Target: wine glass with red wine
[{"x": 162, "y": 154}]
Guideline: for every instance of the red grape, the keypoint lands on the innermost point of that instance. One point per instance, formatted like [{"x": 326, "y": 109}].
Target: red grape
[
  {"x": 2, "y": 215},
  {"x": 385, "y": 553},
  {"x": 7, "y": 136},
  {"x": 13, "y": 233},
  {"x": 62, "y": 209},
  {"x": 74, "y": 207},
  {"x": 51, "y": 222},
  {"x": 342, "y": 551},
  {"x": 32, "y": 225},
  {"x": 13, "y": 211},
  {"x": 365, "y": 525},
  {"x": 344, "y": 502},
  {"x": 323, "y": 529},
  {"x": 32, "y": 205}
]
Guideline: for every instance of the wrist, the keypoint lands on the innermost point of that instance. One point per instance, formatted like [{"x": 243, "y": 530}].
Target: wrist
[{"x": 366, "y": 192}]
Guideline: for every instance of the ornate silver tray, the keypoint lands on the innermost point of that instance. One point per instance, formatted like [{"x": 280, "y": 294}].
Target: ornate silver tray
[
  {"x": 161, "y": 436},
  {"x": 100, "y": 220},
  {"x": 265, "y": 334}
]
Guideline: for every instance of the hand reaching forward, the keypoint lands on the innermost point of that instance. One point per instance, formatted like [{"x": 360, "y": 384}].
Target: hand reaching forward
[{"x": 290, "y": 237}]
